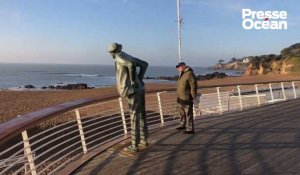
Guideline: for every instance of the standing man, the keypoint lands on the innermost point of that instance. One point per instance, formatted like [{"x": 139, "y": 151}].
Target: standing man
[
  {"x": 186, "y": 96},
  {"x": 130, "y": 85}
]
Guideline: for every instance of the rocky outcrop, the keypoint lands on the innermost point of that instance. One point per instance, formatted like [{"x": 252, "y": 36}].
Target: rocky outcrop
[
  {"x": 171, "y": 78},
  {"x": 286, "y": 63},
  {"x": 218, "y": 66},
  {"x": 239, "y": 64},
  {"x": 285, "y": 66},
  {"x": 73, "y": 86},
  {"x": 29, "y": 86},
  {"x": 69, "y": 86},
  {"x": 215, "y": 75}
]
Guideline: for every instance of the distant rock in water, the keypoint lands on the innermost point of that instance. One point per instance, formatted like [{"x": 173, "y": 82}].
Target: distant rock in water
[
  {"x": 171, "y": 78},
  {"x": 73, "y": 86},
  {"x": 214, "y": 75},
  {"x": 69, "y": 87},
  {"x": 29, "y": 86},
  {"x": 150, "y": 78},
  {"x": 51, "y": 87}
]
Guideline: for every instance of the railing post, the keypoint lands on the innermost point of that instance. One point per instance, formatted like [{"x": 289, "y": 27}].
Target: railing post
[
  {"x": 271, "y": 92},
  {"x": 28, "y": 152},
  {"x": 123, "y": 116},
  {"x": 240, "y": 97},
  {"x": 228, "y": 103},
  {"x": 84, "y": 147},
  {"x": 283, "y": 91},
  {"x": 257, "y": 94},
  {"x": 219, "y": 100},
  {"x": 160, "y": 107},
  {"x": 194, "y": 111},
  {"x": 294, "y": 89},
  {"x": 199, "y": 107}
]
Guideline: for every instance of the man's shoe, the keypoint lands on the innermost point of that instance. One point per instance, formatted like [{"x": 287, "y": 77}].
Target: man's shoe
[
  {"x": 144, "y": 144},
  {"x": 181, "y": 128},
  {"x": 188, "y": 132},
  {"x": 131, "y": 149}
]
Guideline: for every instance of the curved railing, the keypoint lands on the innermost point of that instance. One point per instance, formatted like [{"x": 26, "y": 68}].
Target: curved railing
[{"x": 50, "y": 140}]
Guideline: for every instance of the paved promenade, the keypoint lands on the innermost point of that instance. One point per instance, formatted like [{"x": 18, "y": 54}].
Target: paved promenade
[{"x": 264, "y": 140}]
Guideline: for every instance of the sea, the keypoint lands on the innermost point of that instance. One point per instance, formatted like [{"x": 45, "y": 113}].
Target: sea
[{"x": 15, "y": 76}]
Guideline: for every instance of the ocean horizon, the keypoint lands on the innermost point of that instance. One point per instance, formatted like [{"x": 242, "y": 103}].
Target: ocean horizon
[{"x": 14, "y": 76}]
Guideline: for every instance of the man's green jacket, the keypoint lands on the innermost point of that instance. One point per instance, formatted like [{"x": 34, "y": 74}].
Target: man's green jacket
[{"x": 186, "y": 86}]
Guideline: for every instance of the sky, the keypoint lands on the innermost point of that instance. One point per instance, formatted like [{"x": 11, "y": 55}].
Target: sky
[{"x": 80, "y": 31}]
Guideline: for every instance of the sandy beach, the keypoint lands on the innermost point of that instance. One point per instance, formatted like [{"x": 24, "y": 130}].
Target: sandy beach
[{"x": 14, "y": 103}]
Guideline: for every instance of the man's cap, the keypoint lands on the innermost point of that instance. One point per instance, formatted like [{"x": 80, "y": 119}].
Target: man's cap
[
  {"x": 180, "y": 64},
  {"x": 114, "y": 46}
]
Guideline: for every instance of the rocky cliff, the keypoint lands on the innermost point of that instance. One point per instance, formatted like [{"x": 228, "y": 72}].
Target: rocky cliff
[
  {"x": 237, "y": 65},
  {"x": 234, "y": 64},
  {"x": 287, "y": 62}
]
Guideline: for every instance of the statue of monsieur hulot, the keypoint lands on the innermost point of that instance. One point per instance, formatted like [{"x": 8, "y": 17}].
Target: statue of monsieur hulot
[{"x": 130, "y": 85}]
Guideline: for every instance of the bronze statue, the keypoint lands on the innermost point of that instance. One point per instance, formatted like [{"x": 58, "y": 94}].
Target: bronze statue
[{"x": 130, "y": 85}]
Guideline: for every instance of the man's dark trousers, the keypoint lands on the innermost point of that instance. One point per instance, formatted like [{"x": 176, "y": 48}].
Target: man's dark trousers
[{"x": 186, "y": 116}]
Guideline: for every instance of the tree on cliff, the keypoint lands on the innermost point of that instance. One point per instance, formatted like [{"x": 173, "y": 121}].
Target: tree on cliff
[
  {"x": 233, "y": 60},
  {"x": 221, "y": 61},
  {"x": 293, "y": 50}
]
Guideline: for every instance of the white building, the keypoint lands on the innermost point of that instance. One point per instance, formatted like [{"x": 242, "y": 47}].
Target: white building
[{"x": 246, "y": 60}]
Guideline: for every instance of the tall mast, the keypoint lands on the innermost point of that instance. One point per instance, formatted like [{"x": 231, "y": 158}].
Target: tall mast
[{"x": 179, "y": 21}]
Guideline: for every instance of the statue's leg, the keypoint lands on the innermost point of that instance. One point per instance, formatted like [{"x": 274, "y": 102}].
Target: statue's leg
[
  {"x": 134, "y": 119},
  {"x": 143, "y": 120}
]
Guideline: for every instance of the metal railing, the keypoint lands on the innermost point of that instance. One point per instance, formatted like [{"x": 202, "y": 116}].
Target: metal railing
[{"x": 44, "y": 142}]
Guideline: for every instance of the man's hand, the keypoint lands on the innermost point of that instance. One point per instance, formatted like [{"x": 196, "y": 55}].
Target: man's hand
[
  {"x": 134, "y": 84},
  {"x": 196, "y": 100}
]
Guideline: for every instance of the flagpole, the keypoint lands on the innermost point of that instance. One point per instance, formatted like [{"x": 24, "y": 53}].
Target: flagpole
[{"x": 179, "y": 21}]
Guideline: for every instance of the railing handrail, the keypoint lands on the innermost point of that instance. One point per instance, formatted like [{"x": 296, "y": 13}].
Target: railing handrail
[
  {"x": 16, "y": 125},
  {"x": 244, "y": 84}
]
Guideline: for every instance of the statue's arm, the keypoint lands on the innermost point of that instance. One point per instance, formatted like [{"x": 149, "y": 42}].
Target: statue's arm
[
  {"x": 139, "y": 63},
  {"x": 143, "y": 67}
]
